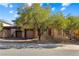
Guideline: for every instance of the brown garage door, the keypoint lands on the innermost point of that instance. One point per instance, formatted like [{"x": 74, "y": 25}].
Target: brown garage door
[
  {"x": 29, "y": 34},
  {"x": 18, "y": 34}
]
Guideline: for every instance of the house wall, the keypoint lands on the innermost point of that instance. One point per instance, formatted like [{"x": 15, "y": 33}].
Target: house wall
[
  {"x": 54, "y": 33},
  {"x": 1, "y": 34},
  {"x": 13, "y": 32},
  {"x": 26, "y": 33},
  {"x": 6, "y": 33}
]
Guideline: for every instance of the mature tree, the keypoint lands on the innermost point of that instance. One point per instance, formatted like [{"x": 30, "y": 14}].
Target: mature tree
[
  {"x": 41, "y": 16},
  {"x": 73, "y": 23},
  {"x": 34, "y": 17},
  {"x": 58, "y": 22}
]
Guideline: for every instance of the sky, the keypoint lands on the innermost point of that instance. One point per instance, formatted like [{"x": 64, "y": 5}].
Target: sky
[{"x": 8, "y": 11}]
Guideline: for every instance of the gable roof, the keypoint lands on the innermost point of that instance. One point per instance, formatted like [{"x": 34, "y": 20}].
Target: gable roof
[{"x": 5, "y": 22}]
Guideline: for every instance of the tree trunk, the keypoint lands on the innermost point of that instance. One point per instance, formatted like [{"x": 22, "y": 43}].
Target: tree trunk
[
  {"x": 53, "y": 33},
  {"x": 39, "y": 34},
  {"x": 39, "y": 37},
  {"x": 70, "y": 34},
  {"x": 49, "y": 31},
  {"x": 62, "y": 34}
]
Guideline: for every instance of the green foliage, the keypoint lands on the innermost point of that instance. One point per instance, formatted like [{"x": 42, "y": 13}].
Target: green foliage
[
  {"x": 33, "y": 16},
  {"x": 1, "y": 26},
  {"x": 39, "y": 18},
  {"x": 73, "y": 22},
  {"x": 36, "y": 16},
  {"x": 58, "y": 21}
]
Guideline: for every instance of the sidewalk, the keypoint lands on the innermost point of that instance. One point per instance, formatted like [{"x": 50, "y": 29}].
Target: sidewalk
[{"x": 18, "y": 41}]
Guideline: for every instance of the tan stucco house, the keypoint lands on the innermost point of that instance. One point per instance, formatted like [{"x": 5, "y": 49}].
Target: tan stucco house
[{"x": 12, "y": 31}]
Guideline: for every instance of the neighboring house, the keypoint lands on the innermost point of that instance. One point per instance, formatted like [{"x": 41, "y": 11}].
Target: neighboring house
[
  {"x": 57, "y": 35},
  {"x": 12, "y": 31}
]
